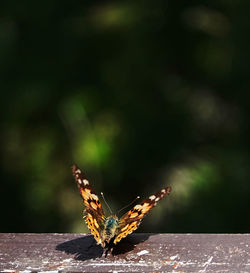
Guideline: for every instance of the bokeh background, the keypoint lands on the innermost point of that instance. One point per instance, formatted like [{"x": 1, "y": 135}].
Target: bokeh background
[{"x": 141, "y": 95}]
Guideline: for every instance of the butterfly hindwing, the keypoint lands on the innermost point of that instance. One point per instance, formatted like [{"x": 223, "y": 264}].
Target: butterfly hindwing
[
  {"x": 132, "y": 219},
  {"x": 95, "y": 217},
  {"x": 94, "y": 227}
]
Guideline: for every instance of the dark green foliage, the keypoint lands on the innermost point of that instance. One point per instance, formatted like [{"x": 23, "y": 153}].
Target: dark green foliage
[{"x": 141, "y": 95}]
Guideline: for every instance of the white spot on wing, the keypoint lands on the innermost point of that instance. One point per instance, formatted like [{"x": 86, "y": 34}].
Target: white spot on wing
[
  {"x": 137, "y": 207},
  {"x": 163, "y": 190},
  {"x": 152, "y": 197},
  {"x": 85, "y": 182},
  {"x": 78, "y": 171},
  {"x": 79, "y": 181},
  {"x": 94, "y": 196},
  {"x": 157, "y": 199}
]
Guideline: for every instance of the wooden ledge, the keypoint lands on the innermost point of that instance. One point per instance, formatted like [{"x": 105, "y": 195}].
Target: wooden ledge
[{"x": 136, "y": 253}]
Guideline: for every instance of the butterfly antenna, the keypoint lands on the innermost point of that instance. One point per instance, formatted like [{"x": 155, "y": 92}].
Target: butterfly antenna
[
  {"x": 106, "y": 203},
  {"x": 129, "y": 204}
]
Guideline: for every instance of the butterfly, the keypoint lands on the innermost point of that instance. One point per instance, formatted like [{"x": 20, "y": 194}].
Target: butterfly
[{"x": 104, "y": 229}]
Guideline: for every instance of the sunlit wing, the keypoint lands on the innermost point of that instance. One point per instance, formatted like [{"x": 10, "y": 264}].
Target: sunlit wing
[
  {"x": 132, "y": 219},
  {"x": 94, "y": 213}
]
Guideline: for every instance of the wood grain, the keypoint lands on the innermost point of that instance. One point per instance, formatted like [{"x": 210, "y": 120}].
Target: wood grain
[{"x": 137, "y": 253}]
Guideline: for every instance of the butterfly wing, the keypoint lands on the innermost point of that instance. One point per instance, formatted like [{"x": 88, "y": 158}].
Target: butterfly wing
[
  {"x": 95, "y": 217},
  {"x": 132, "y": 219}
]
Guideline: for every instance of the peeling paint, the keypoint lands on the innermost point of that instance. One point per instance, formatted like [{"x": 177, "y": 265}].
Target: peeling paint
[
  {"x": 52, "y": 253},
  {"x": 174, "y": 257},
  {"x": 206, "y": 264},
  {"x": 143, "y": 252}
]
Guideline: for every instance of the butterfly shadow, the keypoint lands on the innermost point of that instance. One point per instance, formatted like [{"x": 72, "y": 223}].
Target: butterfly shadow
[
  {"x": 85, "y": 248},
  {"x": 129, "y": 243}
]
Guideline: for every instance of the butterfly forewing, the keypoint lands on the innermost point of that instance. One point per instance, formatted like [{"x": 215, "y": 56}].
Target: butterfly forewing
[
  {"x": 94, "y": 213},
  {"x": 132, "y": 219}
]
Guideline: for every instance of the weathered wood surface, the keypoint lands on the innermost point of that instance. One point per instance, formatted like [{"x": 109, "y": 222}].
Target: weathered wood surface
[{"x": 137, "y": 253}]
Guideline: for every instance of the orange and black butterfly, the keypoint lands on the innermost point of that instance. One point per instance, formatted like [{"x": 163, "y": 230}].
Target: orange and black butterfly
[{"x": 106, "y": 228}]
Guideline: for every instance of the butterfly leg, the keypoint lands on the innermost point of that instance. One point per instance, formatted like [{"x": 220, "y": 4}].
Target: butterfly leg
[
  {"x": 107, "y": 252},
  {"x": 108, "y": 249}
]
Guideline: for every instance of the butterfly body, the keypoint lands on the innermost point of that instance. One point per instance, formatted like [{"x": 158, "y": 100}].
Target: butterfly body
[
  {"x": 110, "y": 228},
  {"x": 106, "y": 228}
]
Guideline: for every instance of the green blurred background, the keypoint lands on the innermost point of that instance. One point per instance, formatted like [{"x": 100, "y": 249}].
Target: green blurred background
[{"x": 139, "y": 94}]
